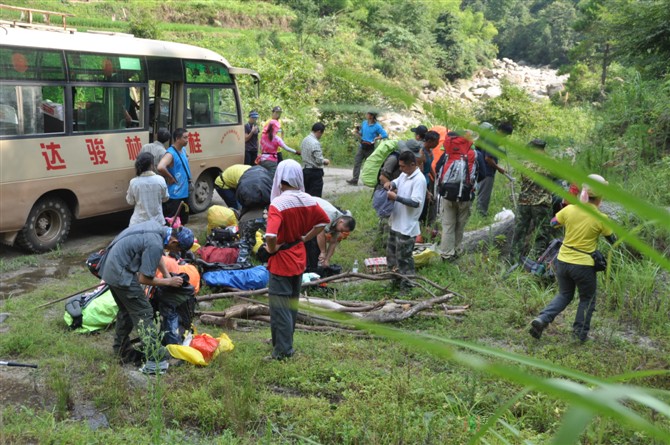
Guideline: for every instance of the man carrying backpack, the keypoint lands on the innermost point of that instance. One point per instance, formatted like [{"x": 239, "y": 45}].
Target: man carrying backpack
[
  {"x": 130, "y": 261},
  {"x": 457, "y": 172},
  {"x": 534, "y": 211}
]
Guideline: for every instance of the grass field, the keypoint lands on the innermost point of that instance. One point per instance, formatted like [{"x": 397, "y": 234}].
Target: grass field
[{"x": 410, "y": 383}]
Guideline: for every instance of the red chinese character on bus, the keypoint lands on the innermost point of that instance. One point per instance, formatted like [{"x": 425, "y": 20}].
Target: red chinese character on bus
[
  {"x": 134, "y": 146},
  {"x": 194, "y": 144},
  {"x": 96, "y": 150},
  {"x": 52, "y": 157}
]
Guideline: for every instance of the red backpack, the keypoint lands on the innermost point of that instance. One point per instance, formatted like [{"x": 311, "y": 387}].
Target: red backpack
[{"x": 458, "y": 174}]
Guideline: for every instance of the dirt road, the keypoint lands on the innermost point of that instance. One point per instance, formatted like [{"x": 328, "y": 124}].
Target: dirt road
[{"x": 21, "y": 273}]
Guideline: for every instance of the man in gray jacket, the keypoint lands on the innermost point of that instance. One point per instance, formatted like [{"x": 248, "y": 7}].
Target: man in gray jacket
[{"x": 132, "y": 260}]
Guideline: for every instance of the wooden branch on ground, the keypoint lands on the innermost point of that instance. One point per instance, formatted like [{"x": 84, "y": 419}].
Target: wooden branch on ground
[
  {"x": 414, "y": 279},
  {"x": 392, "y": 317}
]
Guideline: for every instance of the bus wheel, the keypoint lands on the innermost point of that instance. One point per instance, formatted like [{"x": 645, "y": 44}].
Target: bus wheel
[
  {"x": 201, "y": 198},
  {"x": 48, "y": 225}
]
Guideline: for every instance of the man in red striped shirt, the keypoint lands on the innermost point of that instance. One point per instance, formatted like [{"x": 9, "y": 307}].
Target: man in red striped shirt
[{"x": 293, "y": 218}]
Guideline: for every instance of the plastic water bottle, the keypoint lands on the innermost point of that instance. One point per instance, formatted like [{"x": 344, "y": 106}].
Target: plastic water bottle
[{"x": 355, "y": 268}]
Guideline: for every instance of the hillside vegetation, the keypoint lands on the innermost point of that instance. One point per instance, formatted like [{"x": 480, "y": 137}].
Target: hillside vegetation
[{"x": 477, "y": 379}]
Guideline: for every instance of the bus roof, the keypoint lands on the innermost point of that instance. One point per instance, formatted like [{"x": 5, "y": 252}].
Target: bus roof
[{"x": 105, "y": 43}]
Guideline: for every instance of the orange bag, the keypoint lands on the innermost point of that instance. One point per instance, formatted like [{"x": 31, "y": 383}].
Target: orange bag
[
  {"x": 173, "y": 266},
  {"x": 439, "y": 149},
  {"x": 206, "y": 344}
]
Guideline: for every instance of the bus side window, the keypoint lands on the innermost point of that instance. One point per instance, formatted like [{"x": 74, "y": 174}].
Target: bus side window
[
  {"x": 40, "y": 110},
  {"x": 199, "y": 106},
  {"x": 103, "y": 108}
]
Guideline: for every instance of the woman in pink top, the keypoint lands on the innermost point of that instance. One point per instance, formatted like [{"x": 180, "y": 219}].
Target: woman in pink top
[{"x": 270, "y": 142}]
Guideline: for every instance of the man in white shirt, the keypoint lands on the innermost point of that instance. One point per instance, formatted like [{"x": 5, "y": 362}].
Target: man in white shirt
[
  {"x": 157, "y": 147},
  {"x": 313, "y": 160},
  {"x": 408, "y": 192}
]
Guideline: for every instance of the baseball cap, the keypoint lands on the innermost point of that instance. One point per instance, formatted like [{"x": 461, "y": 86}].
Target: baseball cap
[
  {"x": 277, "y": 108},
  {"x": 185, "y": 238},
  {"x": 409, "y": 145},
  {"x": 421, "y": 130},
  {"x": 253, "y": 113}
]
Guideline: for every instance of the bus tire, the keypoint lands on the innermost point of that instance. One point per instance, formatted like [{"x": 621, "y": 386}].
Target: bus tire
[
  {"x": 48, "y": 225},
  {"x": 201, "y": 198}
]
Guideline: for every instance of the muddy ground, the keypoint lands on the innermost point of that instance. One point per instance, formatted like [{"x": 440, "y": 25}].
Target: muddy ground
[
  {"x": 21, "y": 273},
  {"x": 94, "y": 233}
]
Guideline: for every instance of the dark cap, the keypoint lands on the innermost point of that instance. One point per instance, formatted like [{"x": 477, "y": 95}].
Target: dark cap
[
  {"x": 277, "y": 108},
  {"x": 421, "y": 130},
  {"x": 253, "y": 113},
  {"x": 409, "y": 145},
  {"x": 538, "y": 143}
]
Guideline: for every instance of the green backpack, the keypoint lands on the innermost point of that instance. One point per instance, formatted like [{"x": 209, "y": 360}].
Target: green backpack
[
  {"x": 91, "y": 311},
  {"x": 374, "y": 162}
]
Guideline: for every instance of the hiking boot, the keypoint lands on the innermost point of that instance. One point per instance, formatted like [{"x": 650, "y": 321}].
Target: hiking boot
[
  {"x": 352, "y": 181},
  {"x": 153, "y": 368},
  {"x": 580, "y": 338},
  {"x": 536, "y": 328}
]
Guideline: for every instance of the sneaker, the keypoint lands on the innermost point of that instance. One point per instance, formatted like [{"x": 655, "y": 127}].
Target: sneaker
[
  {"x": 536, "y": 328},
  {"x": 352, "y": 181},
  {"x": 153, "y": 368}
]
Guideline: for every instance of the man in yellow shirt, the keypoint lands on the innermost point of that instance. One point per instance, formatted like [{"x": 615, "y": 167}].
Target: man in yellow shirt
[{"x": 226, "y": 184}]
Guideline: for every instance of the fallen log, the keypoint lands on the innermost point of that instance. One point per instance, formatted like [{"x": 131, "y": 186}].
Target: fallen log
[
  {"x": 473, "y": 238},
  {"x": 414, "y": 279}
]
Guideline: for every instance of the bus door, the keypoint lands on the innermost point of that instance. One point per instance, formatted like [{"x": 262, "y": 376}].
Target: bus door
[
  {"x": 163, "y": 107},
  {"x": 166, "y": 74}
]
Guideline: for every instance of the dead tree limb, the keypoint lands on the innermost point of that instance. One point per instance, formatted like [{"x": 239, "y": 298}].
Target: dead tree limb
[
  {"x": 389, "y": 317},
  {"x": 246, "y": 294}
]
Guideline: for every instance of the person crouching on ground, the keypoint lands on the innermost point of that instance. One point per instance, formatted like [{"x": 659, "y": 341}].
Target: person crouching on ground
[
  {"x": 321, "y": 249},
  {"x": 293, "y": 218},
  {"x": 132, "y": 260},
  {"x": 409, "y": 192},
  {"x": 226, "y": 184},
  {"x": 574, "y": 266}
]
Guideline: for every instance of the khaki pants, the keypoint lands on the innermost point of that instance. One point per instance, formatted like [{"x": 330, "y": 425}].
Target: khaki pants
[{"x": 454, "y": 218}]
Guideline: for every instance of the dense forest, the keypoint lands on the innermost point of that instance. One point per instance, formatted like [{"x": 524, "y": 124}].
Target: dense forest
[{"x": 479, "y": 378}]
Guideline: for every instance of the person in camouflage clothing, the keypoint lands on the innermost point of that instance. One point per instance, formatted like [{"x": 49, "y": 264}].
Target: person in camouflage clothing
[{"x": 533, "y": 213}]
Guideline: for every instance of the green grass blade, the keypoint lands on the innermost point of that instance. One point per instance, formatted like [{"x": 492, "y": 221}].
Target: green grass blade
[
  {"x": 573, "y": 424},
  {"x": 497, "y": 415}
]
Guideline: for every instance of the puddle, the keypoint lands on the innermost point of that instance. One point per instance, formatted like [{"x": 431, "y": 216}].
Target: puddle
[{"x": 28, "y": 278}]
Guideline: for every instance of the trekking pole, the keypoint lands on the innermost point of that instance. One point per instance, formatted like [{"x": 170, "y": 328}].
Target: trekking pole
[
  {"x": 22, "y": 365},
  {"x": 511, "y": 181},
  {"x": 174, "y": 218},
  {"x": 69, "y": 296}
]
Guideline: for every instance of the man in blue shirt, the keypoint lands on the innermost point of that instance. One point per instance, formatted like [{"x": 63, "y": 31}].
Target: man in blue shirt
[
  {"x": 369, "y": 132},
  {"x": 177, "y": 173}
]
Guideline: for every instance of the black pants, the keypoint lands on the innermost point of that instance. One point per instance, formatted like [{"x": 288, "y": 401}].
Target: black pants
[
  {"x": 250, "y": 157},
  {"x": 313, "y": 181},
  {"x": 313, "y": 252},
  {"x": 170, "y": 208},
  {"x": 572, "y": 277}
]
